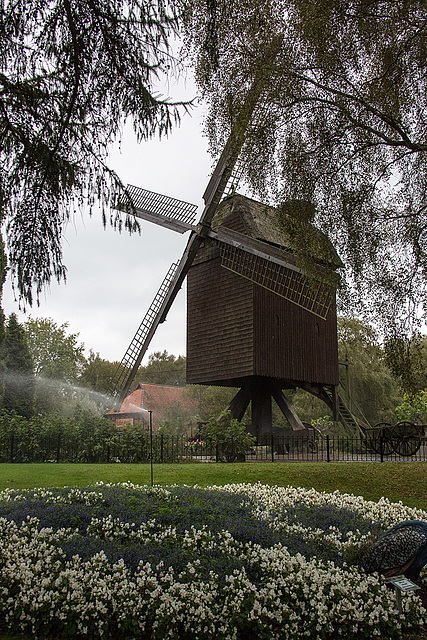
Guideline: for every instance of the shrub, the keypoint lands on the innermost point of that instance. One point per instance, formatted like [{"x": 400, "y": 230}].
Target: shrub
[{"x": 229, "y": 435}]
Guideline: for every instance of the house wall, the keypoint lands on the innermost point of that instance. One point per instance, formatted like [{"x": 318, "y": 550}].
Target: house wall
[{"x": 291, "y": 343}]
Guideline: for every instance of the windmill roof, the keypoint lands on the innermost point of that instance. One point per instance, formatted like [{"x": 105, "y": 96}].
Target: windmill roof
[{"x": 266, "y": 223}]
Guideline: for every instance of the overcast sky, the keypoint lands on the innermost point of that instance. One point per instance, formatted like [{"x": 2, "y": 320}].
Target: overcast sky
[{"x": 112, "y": 278}]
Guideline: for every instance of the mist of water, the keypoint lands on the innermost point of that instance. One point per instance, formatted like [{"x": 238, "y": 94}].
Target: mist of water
[{"x": 61, "y": 397}]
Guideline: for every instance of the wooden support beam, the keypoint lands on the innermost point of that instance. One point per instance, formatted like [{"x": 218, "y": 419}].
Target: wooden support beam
[
  {"x": 239, "y": 404},
  {"x": 287, "y": 409},
  {"x": 262, "y": 415},
  {"x": 328, "y": 395},
  {"x": 335, "y": 403}
]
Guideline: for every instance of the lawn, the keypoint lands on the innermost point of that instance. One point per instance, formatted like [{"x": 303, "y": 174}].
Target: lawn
[
  {"x": 184, "y": 529},
  {"x": 393, "y": 480}
]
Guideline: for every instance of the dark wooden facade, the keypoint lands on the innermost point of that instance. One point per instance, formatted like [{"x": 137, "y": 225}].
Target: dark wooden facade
[
  {"x": 237, "y": 329},
  {"x": 240, "y": 334}
]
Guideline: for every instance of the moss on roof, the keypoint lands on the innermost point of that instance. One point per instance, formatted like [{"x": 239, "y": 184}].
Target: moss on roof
[{"x": 275, "y": 226}]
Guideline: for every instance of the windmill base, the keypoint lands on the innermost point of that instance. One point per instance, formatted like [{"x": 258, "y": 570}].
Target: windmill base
[{"x": 260, "y": 394}]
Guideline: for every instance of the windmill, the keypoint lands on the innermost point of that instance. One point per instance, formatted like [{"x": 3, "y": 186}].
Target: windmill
[{"x": 260, "y": 264}]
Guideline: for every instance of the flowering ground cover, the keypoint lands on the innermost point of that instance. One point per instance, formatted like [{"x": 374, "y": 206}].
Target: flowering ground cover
[{"x": 191, "y": 563}]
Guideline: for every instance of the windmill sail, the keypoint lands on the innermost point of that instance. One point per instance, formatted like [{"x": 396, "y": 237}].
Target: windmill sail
[
  {"x": 131, "y": 361},
  {"x": 160, "y": 209},
  {"x": 260, "y": 116},
  {"x": 286, "y": 281}
]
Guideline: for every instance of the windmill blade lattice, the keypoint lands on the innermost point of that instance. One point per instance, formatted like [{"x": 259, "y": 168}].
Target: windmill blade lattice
[
  {"x": 158, "y": 208},
  {"x": 130, "y": 362},
  {"x": 259, "y": 117},
  {"x": 289, "y": 283}
]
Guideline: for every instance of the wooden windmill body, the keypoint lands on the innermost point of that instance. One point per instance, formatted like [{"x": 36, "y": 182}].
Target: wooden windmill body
[{"x": 243, "y": 334}]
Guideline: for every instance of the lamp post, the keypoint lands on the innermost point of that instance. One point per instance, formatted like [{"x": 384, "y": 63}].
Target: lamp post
[{"x": 151, "y": 445}]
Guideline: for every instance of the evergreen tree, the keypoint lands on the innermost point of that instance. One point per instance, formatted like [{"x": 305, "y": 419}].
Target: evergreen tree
[
  {"x": 19, "y": 377},
  {"x": 71, "y": 74}
]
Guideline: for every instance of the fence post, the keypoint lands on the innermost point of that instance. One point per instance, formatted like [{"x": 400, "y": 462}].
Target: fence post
[
  {"x": 328, "y": 459},
  {"x": 272, "y": 448},
  {"x": 381, "y": 449}
]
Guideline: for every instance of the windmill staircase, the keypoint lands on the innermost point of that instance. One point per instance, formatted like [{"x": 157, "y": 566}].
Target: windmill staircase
[{"x": 352, "y": 424}]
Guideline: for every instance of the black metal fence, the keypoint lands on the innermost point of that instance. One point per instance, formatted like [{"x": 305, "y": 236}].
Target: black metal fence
[{"x": 140, "y": 447}]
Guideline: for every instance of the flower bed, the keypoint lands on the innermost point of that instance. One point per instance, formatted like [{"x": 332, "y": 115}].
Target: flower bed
[{"x": 189, "y": 563}]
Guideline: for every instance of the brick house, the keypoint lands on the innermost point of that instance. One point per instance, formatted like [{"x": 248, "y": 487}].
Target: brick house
[{"x": 160, "y": 399}]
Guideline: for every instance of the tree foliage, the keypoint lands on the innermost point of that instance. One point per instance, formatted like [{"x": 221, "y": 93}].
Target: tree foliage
[
  {"x": 231, "y": 437},
  {"x": 343, "y": 125},
  {"x": 97, "y": 373},
  {"x": 407, "y": 359},
  {"x": 19, "y": 383},
  {"x": 370, "y": 385},
  {"x": 56, "y": 353},
  {"x": 71, "y": 74},
  {"x": 163, "y": 368},
  {"x": 413, "y": 408}
]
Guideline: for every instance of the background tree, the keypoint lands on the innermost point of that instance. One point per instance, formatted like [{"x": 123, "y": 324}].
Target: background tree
[
  {"x": 407, "y": 359},
  {"x": 163, "y": 368},
  {"x": 97, "y": 373},
  {"x": 413, "y": 408},
  {"x": 66, "y": 381},
  {"x": 55, "y": 353},
  {"x": 71, "y": 73},
  {"x": 211, "y": 401},
  {"x": 344, "y": 127},
  {"x": 179, "y": 419},
  {"x": 372, "y": 389},
  {"x": 19, "y": 383}
]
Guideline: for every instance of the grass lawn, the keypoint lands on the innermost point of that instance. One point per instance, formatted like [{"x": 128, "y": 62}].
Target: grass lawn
[{"x": 393, "y": 480}]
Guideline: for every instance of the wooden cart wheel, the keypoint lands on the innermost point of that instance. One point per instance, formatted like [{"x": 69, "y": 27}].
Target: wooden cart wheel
[
  {"x": 406, "y": 438},
  {"x": 382, "y": 430}
]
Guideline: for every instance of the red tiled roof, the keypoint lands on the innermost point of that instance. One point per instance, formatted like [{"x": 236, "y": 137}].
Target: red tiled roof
[{"x": 156, "y": 398}]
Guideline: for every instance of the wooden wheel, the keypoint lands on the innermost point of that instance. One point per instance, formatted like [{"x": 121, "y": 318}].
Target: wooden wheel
[
  {"x": 382, "y": 430},
  {"x": 406, "y": 438}
]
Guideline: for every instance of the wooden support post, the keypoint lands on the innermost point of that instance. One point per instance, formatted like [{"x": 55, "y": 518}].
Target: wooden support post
[
  {"x": 262, "y": 416},
  {"x": 335, "y": 403}
]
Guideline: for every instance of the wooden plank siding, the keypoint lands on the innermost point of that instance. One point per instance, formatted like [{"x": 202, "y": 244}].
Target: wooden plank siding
[
  {"x": 219, "y": 324},
  {"x": 291, "y": 344},
  {"x": 236, "y": 330}
]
